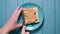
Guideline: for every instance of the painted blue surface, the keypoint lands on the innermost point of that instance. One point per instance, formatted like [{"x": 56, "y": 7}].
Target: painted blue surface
[
  {"x": 2, "y": 13},
  {"x": 57, "y": 16},
  {"x": 48, "y": 9},
  {"x": 51, "y": 10}
]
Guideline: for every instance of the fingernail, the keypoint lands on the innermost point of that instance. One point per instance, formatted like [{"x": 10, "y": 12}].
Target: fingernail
[
  {"x": 21, "y": 8},
  {"x": 18, "y": 8}
]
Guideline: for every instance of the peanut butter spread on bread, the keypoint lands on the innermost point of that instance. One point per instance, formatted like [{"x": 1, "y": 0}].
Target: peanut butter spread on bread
[{"x": 30, "y": 15}]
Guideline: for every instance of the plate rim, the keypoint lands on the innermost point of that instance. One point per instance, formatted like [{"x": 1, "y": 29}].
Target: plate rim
[{"x": 42, "y": 14}]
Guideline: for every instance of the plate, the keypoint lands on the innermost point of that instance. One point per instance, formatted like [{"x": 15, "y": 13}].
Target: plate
[{"x": 31, "y": 27}]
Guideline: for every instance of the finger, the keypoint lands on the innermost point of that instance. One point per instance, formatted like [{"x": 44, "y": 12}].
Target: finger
[
  {"x": 19, "y": 25},
  {"x": 27, "y": 33},
  {"x": 16, "y": 13},
  {"x": 17, "y": 8},
  {"x": 23, "y": 30}
]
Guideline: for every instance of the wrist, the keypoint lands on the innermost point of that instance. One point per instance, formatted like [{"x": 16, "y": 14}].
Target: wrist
[{"x": 4, "y": 31}]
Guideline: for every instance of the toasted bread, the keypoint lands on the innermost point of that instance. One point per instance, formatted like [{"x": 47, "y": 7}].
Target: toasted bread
[{"x": 31, "y": 15}]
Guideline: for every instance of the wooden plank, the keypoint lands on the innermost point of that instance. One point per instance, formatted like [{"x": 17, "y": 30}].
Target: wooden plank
[
  {"x": 40, "y": 30},
  {"x": 2, "y": 13},
  {"x": 57, "y": 15},
  {"x": 48, "y": 9},
  {"x": 11, "y": 5},
  {"x": 20, "y": 3},
  {"x": 38, "y": 2},
  {"x": 26, "y": 1}
]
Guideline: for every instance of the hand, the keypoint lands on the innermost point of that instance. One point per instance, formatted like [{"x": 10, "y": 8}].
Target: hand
[
  {"x": 23, "y": 31},
  {"x": 12, "y": 22}
]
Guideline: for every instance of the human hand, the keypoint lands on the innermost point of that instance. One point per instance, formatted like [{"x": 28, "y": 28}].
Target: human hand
[
  {"x": 11, "y": 24},
  {"x": 23, "y": 30}
]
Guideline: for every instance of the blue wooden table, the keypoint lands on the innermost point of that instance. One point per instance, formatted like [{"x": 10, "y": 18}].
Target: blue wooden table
[{"x": 51, "y": 10}]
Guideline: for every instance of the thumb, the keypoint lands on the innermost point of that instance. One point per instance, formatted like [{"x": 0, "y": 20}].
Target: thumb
[
  {"x": 27, "y": 32},
  {"x": 23, "y": 30}
]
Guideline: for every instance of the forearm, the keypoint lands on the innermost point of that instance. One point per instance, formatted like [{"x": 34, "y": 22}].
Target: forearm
[{"x": 4, "y": 31}]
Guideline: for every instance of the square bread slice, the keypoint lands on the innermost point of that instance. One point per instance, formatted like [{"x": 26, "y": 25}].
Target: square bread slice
[{"x": 30, "y": 15}]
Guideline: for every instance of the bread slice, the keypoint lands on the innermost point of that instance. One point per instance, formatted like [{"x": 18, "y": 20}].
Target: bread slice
[{"x": 31, "y": 15}]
